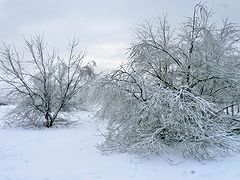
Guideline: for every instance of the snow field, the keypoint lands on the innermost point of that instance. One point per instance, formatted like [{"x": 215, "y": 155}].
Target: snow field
[{"x": 71, "y": 154}]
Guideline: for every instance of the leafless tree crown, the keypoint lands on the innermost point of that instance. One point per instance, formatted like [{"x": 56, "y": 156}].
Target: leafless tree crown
[{"x": 44, "y": 83}]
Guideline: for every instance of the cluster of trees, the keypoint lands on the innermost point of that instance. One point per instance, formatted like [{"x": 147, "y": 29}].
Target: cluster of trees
[{"x": 178, "y": 91}]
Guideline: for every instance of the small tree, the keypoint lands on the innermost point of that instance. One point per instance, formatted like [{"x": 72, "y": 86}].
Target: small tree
[
  {"x": 44, "y": 83},
  {"x": 172, "y": 92}
]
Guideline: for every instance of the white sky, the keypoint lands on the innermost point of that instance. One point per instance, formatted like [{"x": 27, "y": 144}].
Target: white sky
[{"x": 105, "y": 26}]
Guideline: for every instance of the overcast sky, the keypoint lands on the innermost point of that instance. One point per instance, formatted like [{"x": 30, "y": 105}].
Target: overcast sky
[{"x": 105, "y": 26}]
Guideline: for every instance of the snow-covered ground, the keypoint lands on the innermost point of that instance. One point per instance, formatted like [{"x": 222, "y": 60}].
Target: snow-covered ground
[{"x": 71, "y": 153}]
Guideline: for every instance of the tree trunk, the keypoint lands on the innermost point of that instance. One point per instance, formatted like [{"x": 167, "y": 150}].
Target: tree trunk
[{"x": 48, "y": 120}]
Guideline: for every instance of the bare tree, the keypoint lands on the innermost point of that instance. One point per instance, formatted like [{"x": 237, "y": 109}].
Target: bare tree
[{"x": 44, "y": 83}]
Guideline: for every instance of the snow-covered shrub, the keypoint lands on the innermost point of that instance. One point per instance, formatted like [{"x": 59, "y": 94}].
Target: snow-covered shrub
[
  {"x": 170, "y": 120},
  {"x": 173, "y": 91}
]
